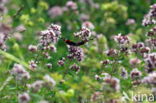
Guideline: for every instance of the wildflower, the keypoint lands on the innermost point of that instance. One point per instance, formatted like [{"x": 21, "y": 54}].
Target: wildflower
[
  {"x": 75, "y": 67},
  {"x": 3, "y": 38},
  {"x": 130, "y": 22},
  {"x": 88, "y": 24},
  {"x": 50, "y": 36},
  {"x": 151, "y": 33},
  {"x": 105, "y": 75},
  {"x": 97, "y": 77},
  {"x": 4, "y": 29},
  {"x": 134, "y": 61},
  {"x": 84, "y": 17},
  {"x": 49, "y": 65},
  {"x": 3, "y": 9},
  {"x": 124, "y": 50},
  {"x": 75, "y": 53},
  {"x": 135, "y": 74},
  {"x": 24, "y": 98},
  {"x": 144, "y": 50},
  {"x": 84, "y": 33},
  {"x": 32, "y": 64},
  {"x": 20, "y": 28},
  {"x": 151, "y": 43},
  {"x": 113, "y": 82},
  {"x": 52, "y": 48},
  {"x": 61, "y": 62},
  {"x": 46, "y": 54},
  {"x": 150, "y": 61},
  {"x": 150, "y": 17},
  {"x": 124, "y": 73},
  {"x": 49, "y": 80},
  {"x": 150, "y": 79},
  {"x": 36, "y": 86},
  {"x": 71, "y": 5},
  {"x": 32, "y": 48},
  {"x": 56, "y": 29},
  {"x": 121, "y": 39},
  {"x": 111, "y": 52},
  {"x": 105, "y": 62},
  {"x": 19, "y": 72},
  {"x": 4, "y": 1},
  {"x": 18, "y": 36},
  {"x": 55, "y": 11},
  {"x": 136, "y": 47}
]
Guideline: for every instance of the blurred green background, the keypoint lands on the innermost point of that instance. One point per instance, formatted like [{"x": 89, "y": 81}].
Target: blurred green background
[{"x": 109, "y": 18}]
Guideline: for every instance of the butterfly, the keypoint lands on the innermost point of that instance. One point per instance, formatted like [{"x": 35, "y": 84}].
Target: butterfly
[{"x": 72, "y": 43}]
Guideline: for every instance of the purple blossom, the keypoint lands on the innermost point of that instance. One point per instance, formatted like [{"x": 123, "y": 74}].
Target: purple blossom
[
  {"x": 36, "y": 86},
  {"x": 113, "y": 82},
  {"x": 124, "y": 73},
  {"x": 71, "y": 5},
  {"x": 3, "y": 38},
  {"x": 75, "y": 67},
  {"x": 75, "y": 53},
  {"x": 32, "y": 48},
  {"x": 19, "y": 72},
  {"x": 150, "y": 17},
  {"x": 121, "y": 39},
  {"x": 130, "y": 22},
  {"x": 24, "y": 98},
  {"x": 32, "y": 64},
  {"x": 150, "y": 61},
  {"x": 88, "y": 24},
  {"x": 55, "y": 11},
  {"x": 150, "y": 79},
  {"x": 135, "y": 74},
  {"x": 84, "y": 33}
]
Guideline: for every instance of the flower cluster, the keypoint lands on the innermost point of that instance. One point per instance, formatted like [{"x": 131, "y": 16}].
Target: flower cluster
[
  {"x": 150, "y": 61},
  {"x": 48, "y": 39},
  {"x": 3, "y": 8},
  {"x": 75, "y": 67},
  {"x": 124, "y": 73},
  {"x": 50, "y": 36},
  {"x": 150, "y": 17},
  {"x": 121, "y": 39},
  {"x": 36, "y": 86},
  {"x": 88, "y": 24},
  {"x": 71, "y": 5},
  {"x": 84, "y": 33},
  {"x": 24, "y": 98},
  {"x": 135, "y": 74},
  {"x": 58, "y": 11},
  {"x": 19, "y": 72},
  {"x": 75, "y": 53},
  {"x": 3, "y": 38},
  {"x": 113, "y": 82},
  {"x": 140, "y": 48},
  {"x": 150, "y": 79},
  {"x": 55, "y": 11},
  {"x": 49, "y": 81},
  {"x": 111, "y": 52}
]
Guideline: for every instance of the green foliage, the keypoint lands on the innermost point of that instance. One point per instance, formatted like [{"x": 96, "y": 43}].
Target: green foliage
[{"x": 71, "y": 87}]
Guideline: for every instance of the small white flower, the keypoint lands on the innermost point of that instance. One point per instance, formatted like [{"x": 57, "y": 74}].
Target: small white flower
[{"x": 49, "y": 80}]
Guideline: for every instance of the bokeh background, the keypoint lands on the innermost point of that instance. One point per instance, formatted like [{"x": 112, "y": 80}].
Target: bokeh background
[{"x": 106, "y": 17}]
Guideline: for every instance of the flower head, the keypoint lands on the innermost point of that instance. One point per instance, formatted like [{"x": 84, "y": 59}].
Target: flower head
[
  {"x": 19, "y": 72},
  {"x": 24, "y": 98}
]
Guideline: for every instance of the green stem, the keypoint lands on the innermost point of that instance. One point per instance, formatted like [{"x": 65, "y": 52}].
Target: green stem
[
  {"x": 6, "y": 82},
  {"x": 13, "y": 58}
]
